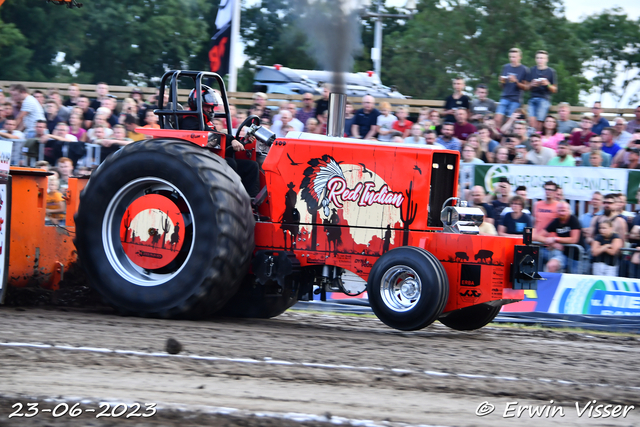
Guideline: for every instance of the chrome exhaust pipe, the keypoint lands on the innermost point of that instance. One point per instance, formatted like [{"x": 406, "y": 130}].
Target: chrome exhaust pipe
[{"x": 337, "y": 107}]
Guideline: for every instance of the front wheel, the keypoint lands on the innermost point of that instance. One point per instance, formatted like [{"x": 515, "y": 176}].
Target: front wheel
[
  {"x": 408, "y": 288},
  {"x": 165, "y": 228},
  {"x": 470, "y": 318}
]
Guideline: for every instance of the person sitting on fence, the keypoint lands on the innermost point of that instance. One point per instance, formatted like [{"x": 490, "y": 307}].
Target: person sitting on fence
[
  {"x": 564, "y": 230},
  {"x": 605, "y": 250}
]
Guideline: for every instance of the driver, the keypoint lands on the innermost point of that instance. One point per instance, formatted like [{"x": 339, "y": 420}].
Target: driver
[{"x": 248, "y": 170}]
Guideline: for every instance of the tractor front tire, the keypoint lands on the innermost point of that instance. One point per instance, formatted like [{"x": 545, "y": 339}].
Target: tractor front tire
[
  {"x": 470, "y": 318},
  {"x": 408, "y": 288},
  {"x": 201, "y": 194}
]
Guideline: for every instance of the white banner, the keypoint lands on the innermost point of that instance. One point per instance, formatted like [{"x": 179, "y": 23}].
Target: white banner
[{"x": 578, "y": 183}]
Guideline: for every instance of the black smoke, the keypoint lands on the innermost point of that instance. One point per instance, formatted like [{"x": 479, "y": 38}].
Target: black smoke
[{"x": 333, "y": 29}]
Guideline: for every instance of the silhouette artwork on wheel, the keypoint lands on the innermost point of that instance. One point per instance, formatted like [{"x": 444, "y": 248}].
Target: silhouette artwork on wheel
[{"x": 175, "y": 236}]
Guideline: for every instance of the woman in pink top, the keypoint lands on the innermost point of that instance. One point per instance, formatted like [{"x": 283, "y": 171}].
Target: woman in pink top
[
  {"x": 550, "y": 135},
  {"x": 75, "y": 121}
]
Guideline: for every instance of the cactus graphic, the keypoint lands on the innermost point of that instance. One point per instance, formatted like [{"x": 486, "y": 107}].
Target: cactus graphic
[{"x": 409, "y": 216}]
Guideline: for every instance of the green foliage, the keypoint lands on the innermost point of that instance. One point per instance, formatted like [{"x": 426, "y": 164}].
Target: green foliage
[
  {"x": 614, "y": 41},
  {"x": 14, "y": 53},
  {"x": 135, "y": 41},
  {"x": 472, "y": 39},
  {"x": 272, "y": 36}
]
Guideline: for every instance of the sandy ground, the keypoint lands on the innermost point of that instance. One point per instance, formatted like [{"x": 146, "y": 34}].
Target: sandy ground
[{"x": 304, "y": 369}]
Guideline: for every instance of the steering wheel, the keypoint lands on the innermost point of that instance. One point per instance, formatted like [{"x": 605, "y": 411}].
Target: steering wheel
[{"x": 248, "y": 121}]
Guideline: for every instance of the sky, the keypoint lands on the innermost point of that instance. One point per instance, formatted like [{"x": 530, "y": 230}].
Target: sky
[{"x": 575, "y": 10}]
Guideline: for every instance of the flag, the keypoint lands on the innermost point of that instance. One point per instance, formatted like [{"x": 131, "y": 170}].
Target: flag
[{"x": 219, "y": 50}]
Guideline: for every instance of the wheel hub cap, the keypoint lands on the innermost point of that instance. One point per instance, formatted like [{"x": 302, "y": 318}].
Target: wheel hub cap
[{"x": 152, "y": 231}]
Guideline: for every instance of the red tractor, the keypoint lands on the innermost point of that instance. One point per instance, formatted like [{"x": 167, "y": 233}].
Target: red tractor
[{"x": 166, "y": 228}]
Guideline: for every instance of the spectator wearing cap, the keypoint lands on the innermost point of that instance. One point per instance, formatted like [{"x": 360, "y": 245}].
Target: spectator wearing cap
[
  {"x": 456, "y": 100},
  {"x": 595, "y": 145},
  {"x": 307, "y": 111},
  {"x": 30, "y": 109},
  {"x": 130, "y": 124},
  {"x": 539, "y": 155},
  {"x": 481, "y": 105},
  {"x": 565, "y": 124},
  {"x": 580, "y": 139},
  {"x": 599, "y": 122},
  {"x": 609, "y": 146},
  {"x": 102, "y": 92},
  {"x": 564, "y": 157},
  {"x": 635, "y": 123}
]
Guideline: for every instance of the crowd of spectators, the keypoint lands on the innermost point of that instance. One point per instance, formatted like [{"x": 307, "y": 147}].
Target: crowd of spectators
[
  {"x": 600, "y": 242},
  {"x": 64, "y": 132}
]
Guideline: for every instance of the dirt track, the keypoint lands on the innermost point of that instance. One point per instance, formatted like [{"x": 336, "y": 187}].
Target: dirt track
[{"x": 321, "y": 367}]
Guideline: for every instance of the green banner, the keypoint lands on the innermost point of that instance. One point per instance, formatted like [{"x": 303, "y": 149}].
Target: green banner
[{"x": 633, "y": 184}]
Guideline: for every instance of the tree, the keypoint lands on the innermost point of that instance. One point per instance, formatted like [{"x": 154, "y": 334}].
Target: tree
[
  {"x": 614, "y": 41},
  {"x": 117, "y": 42},
  {"x": 472, "y": 39},
  {"x": 14, "y": 53},
  {"x": 271, "y": 35}
]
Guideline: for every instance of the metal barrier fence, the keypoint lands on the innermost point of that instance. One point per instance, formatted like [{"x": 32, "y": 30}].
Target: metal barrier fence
[{"x": 20, "y": 157}]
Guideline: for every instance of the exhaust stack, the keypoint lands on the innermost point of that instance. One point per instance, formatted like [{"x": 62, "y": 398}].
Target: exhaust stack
[{"x": 335, "y": 122}]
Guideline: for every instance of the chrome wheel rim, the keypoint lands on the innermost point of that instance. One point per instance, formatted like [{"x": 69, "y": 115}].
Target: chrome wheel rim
[
  {"x": 112, "y": 219},
  {"x": 400, "y": 288}
]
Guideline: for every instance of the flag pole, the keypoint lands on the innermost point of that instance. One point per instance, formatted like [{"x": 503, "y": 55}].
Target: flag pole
[{"x": 235, "y": 47}]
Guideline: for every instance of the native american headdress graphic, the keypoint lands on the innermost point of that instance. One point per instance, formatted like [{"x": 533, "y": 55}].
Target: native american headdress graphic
[{"x": 314, "y": 183}]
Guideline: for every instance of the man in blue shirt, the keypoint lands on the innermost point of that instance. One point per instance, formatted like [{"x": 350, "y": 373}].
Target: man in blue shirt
[
  {"x": 365, "y": 124},
  {"x": 514, "y": 80},
  {"x": 599, "y": 122},
  {"x": 609, "y": 146},
  {"x": 543, "y": 83}
]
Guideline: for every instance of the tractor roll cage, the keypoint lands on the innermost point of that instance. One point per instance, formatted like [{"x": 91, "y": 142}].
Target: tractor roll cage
[{"x": 174, "y": 113}]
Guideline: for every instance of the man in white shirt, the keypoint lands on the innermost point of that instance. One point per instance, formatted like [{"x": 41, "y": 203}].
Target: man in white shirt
[
  {"x": 539, "y": 155},
  {"x": 30, "y": 111}
]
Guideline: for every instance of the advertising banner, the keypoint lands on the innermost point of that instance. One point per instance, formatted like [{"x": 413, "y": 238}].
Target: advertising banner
[
  {"x": 632, "y": 186},
  {"x": 578, "y": 183},
  {"x": 219, "y": 48}
]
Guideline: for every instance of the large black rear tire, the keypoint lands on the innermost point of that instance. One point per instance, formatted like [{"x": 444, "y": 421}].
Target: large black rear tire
[
  {"x": 217, "y": 223},
  {"x": 470, "y": 318},
  {"x": 408, "y": 288}
]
